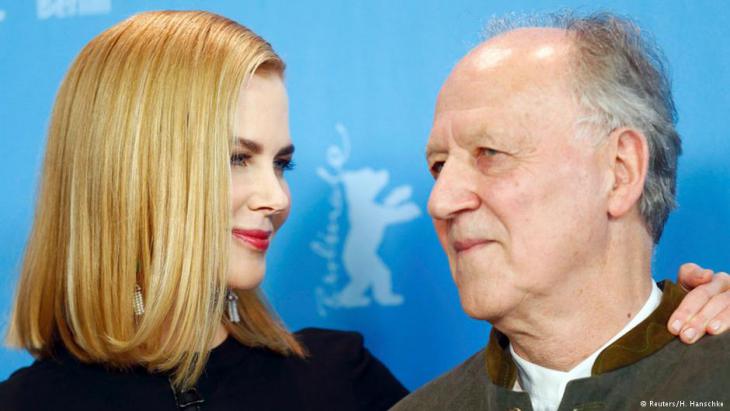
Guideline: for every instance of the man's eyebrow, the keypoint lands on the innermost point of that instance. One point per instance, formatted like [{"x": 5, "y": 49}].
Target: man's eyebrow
[
  {"x": 431, "y": 146},
  {"x": 252, "y": 146},
  {"x": 481, "y": 136},
  {"x": 472, "y": 138},
  {"x": 430, "y": 150}
]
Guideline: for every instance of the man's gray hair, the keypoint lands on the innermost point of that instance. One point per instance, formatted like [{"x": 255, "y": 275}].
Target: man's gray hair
[{"x": 621, "y": 81}]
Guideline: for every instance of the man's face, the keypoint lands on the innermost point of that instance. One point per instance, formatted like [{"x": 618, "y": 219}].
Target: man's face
[{"x": 519, "y": 201}]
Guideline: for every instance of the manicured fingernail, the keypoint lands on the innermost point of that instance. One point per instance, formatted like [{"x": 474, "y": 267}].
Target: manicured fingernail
[
  {"x": 676, "y": 326},
  {"x": 715, "y": 325},
  {"x": 690, "y": 333}
]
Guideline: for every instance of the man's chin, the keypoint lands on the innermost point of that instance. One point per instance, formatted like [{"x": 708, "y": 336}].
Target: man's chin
[{"x": 479, "y": 309}]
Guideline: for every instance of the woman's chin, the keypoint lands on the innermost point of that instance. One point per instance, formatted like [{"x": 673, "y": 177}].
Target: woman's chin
[{"x": 247, "y": 280}]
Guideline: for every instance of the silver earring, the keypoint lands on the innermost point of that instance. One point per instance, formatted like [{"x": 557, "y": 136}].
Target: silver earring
[
  {"x": 232, "y": 300},
  {"x": 138, "y": 302}
]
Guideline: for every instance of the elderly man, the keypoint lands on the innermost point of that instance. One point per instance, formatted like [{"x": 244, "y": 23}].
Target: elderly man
[{"x": 554, "y": 152}]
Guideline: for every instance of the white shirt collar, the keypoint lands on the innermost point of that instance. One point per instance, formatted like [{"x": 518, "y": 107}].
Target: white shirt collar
[{"x": 546, "y": 386}]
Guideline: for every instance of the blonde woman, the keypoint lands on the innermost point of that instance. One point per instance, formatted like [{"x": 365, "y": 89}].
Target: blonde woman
[{"x": 163, "y": 185}]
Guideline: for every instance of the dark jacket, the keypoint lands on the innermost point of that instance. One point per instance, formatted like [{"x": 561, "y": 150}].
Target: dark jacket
[
  {"x": 647, "y": 368},
  {"x": 339, "y": 374}
]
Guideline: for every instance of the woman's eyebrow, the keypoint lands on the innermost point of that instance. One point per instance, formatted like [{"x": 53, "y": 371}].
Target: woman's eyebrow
[
  {"x": 255, "y": 148},
  {"x": 252, "y": 146},
  {"x": 286, "y": 151}
]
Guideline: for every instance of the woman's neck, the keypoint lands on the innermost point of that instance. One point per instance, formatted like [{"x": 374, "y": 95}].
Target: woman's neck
[{"x": 220, "y": 335}]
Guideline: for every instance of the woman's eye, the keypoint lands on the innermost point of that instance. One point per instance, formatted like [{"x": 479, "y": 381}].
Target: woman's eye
[
  {"x": 284, "y": 164},
  {"x": 239, "y": 159}
]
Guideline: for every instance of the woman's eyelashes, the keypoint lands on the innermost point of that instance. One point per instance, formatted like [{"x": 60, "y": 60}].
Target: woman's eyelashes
[
  {"x": 280, "y": 164},
  {"x": 239, "y": 159},
  {"x": 284, "y": 164}
]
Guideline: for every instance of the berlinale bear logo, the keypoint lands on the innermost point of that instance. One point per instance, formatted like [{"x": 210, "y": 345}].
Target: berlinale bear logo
[
  {"x": 368, "y": 220},
  {"x": 46, "y": 9}
]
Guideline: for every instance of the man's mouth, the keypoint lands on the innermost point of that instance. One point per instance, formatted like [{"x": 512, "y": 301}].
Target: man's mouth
[{"x": 462, "y": 246}]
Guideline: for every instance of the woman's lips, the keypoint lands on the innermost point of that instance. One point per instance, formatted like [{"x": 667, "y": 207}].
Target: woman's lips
[{"x": 257, "y": 239}]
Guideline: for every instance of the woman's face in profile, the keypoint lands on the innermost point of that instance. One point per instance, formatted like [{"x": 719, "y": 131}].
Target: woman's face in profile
[{"x": 260, "y": 197}]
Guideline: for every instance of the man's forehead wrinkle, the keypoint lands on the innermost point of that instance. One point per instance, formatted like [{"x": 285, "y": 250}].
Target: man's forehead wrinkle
[
  {"x": 468, "y": 134},
  {"x": 501, "y": 78},
  {"x": 437, "y": 140},
  {"x": 472, "y": 124},
  {"x": 490, "y": 88},
  {"x": 464, "y": 94}
]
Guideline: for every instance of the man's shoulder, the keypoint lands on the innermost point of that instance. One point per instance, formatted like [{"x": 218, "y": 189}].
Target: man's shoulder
[
  {"x": 461, "y": 388},
  {"x": 708, "y": 358},
  {"x": 677, "y": 372},
  {"x": 712, "y": 345}
]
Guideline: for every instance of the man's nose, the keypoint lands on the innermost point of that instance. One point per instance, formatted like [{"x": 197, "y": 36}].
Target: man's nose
[
  {"x": 454, "y": 191},
  {"x": 270, "y": 194}
]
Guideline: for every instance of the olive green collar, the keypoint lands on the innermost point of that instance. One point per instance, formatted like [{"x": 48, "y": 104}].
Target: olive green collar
[{"x": 641, "y": 341}]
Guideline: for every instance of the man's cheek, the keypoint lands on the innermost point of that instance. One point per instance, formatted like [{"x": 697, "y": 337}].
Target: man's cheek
[{"x": 442, "y": 233}]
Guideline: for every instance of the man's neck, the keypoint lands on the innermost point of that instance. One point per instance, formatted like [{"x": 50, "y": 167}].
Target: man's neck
[{"x": 561, "y": 330}]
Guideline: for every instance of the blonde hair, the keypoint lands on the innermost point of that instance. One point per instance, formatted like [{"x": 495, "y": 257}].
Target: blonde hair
[{"x": 135, "y": 191}]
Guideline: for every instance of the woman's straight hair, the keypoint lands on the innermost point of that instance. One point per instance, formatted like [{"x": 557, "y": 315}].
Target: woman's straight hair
[{"x": 135, "y": 191}]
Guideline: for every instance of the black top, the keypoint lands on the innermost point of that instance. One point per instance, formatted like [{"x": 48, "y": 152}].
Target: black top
[{"x": 338, "y": 374}]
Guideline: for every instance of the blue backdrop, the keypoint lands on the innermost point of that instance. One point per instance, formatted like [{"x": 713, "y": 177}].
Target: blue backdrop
[{"x": 362, "y": 78}]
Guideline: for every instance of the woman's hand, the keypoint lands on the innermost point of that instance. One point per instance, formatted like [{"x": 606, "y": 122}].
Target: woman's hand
[{"x": 706, "y": 308}]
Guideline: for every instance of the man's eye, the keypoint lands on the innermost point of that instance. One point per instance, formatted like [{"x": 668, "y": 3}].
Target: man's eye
[
  {"x": 490, "y": 159},
  {"x": 436, "y": 168},
  {"x": 239, "y": 159},
  {"x": 284, "y": 164},
  {"x": 489, "y": 152}
]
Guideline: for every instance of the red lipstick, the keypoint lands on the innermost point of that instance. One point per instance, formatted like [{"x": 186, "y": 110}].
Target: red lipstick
[{"x": 257, "y": 239}]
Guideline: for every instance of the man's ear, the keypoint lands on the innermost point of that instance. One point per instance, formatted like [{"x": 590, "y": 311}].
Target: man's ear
[{"x": 630, "y": 165}]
